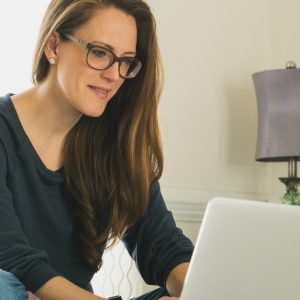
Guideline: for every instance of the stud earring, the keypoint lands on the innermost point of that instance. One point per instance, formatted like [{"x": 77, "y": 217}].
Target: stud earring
[{"x": 52, "y": 61}]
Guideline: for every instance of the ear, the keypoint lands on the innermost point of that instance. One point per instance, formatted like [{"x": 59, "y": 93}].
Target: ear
[{"x": 51, "y": 48}]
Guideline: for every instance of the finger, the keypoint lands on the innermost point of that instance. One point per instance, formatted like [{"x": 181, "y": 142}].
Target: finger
[{"x": 31, "y": 296}]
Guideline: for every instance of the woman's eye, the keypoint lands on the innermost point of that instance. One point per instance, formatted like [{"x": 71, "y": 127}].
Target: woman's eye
[
  {"x": 99, "y": 52},
  {"x": 127, "y": 62}
]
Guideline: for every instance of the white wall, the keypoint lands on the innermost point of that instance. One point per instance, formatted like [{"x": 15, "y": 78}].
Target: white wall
[
  {"x": 19, "y": 24},
  {"x": 208, "y": 110}
]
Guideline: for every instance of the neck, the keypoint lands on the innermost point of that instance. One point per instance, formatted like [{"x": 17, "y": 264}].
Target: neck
[{"x": 46, "y": 110}]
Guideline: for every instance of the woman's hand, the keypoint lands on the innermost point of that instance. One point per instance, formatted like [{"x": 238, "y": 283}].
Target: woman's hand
[
  {"x": 169, "y": 298},
  {"x": 31, "y": 296}
]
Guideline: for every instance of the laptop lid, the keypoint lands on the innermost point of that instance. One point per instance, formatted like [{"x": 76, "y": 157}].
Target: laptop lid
[{"x": 246, "y": 250}]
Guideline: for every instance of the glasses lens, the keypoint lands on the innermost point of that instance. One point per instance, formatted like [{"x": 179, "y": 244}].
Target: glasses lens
[
  {"x": 99, "y": 58},
  {"x": 130, "y": 67}
]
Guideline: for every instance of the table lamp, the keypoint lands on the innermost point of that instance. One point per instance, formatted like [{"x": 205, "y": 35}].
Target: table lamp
[{"x": 278, "y": 135}]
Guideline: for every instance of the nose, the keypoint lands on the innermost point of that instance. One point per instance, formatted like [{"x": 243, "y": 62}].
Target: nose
[{"x": 112, "y": 73}]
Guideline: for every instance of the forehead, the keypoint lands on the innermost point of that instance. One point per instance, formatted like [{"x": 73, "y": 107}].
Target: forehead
[{"x": 111, "y": 26}]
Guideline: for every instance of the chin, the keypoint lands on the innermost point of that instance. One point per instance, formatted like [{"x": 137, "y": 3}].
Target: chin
[{"x": 94, "y": 113}]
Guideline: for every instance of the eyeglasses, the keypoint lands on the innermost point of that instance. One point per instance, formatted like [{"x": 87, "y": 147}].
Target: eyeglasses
[{"x": 101, "y": 58}]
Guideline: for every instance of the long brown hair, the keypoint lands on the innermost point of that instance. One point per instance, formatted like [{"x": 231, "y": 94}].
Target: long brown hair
[{"x": 110, "y": 161}]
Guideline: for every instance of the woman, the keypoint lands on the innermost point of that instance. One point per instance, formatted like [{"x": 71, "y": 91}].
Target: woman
[{"x": 81, "y": 157}]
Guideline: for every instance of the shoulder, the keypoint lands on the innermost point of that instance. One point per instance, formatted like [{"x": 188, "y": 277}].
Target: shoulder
[
  {"x": 4, "y": 102},
  {"x": 156, "y": 200},
  {"x": 9, "y": 126},
  {"x": 5, "y": 111},
  {"x": 11, "y": 138}
]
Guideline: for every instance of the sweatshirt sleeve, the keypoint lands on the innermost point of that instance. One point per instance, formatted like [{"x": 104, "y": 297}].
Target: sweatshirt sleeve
[
  {"x": 155, "y": 243},
  {"x": 17, "y": 256}
]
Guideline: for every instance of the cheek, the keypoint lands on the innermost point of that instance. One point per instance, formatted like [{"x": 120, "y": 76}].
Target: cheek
[
  {"x": 71, "y": 66},
  {"x": 65, "y": 80},
  {"x": 70, "y": 77}
]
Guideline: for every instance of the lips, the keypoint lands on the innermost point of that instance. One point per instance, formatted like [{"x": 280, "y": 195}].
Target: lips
[{"x": 101, "y": 92}]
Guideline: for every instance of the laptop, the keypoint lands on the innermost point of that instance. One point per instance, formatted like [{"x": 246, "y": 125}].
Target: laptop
[{"x": 246, "y": 250}]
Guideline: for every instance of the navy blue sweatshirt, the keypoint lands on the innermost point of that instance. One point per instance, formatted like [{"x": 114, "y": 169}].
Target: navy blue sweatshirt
[{"x": 37, "y": 239}]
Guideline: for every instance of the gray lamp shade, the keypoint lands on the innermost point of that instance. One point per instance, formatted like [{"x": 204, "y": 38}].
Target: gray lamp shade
[{"x": 278, "y": 103}]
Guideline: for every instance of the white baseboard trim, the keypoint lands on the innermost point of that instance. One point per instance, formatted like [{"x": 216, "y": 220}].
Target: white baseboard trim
[{"x": 189, "y": 203}]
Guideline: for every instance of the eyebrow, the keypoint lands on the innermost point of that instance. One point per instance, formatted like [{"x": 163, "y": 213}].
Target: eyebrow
[{"x": 96, "y": 43}]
